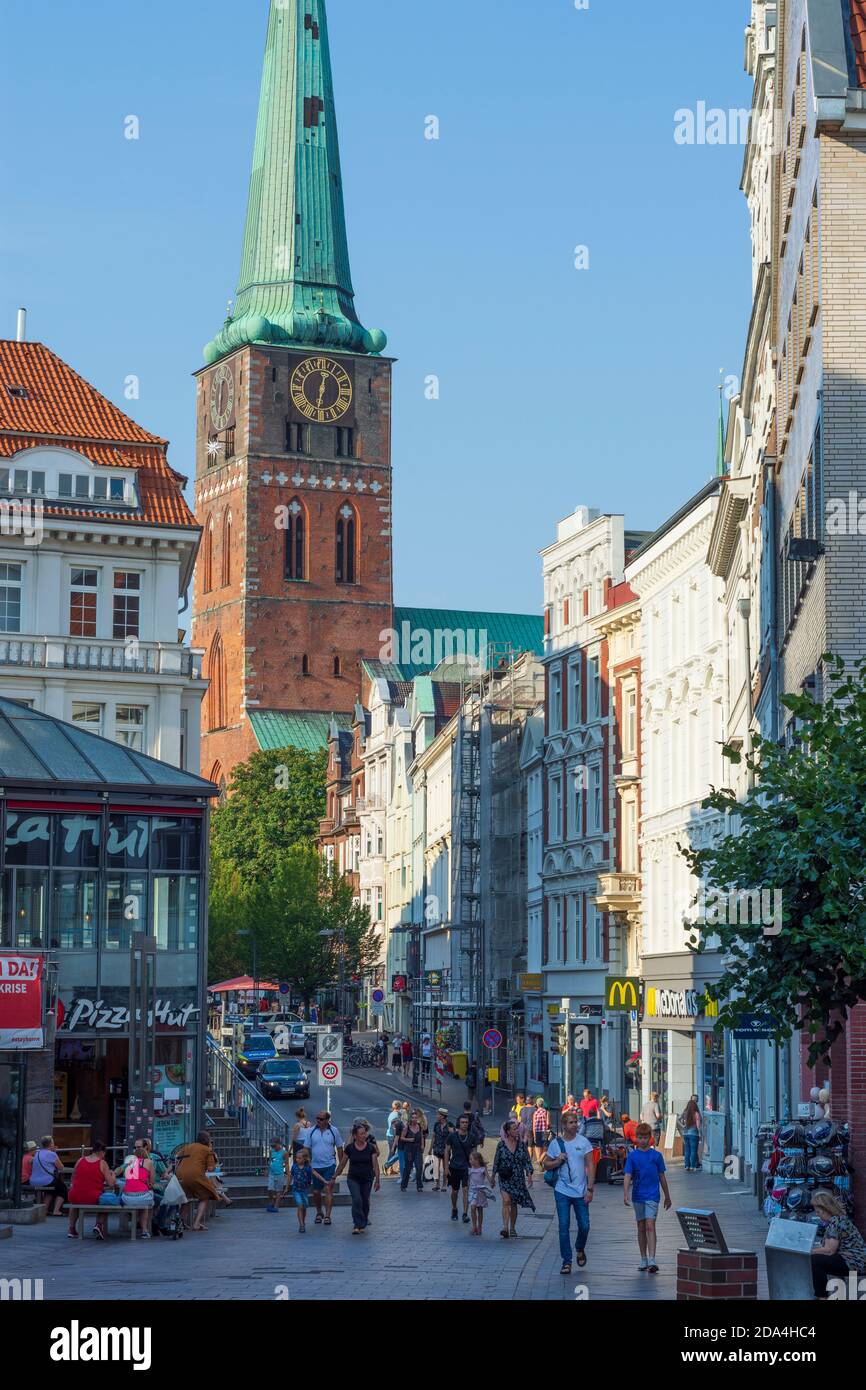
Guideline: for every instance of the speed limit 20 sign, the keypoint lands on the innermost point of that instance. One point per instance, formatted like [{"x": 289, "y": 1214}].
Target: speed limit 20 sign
[{"x": 331, "y": 1073}]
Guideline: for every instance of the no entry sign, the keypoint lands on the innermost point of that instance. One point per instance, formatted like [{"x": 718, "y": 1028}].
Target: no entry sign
[{"x": 492, "y": 1039}]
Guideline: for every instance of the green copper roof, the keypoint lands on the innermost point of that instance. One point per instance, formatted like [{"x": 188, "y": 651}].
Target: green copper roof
[
  {"x": 305, "y": 729},
  {"x": 295, "y": 285},
  {"x": 430, "y": 637}
]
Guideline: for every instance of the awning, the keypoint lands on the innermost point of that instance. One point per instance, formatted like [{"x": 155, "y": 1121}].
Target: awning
[{"x": 240, "y": 982}]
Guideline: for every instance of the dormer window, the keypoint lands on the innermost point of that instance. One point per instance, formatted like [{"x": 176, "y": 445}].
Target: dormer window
[
  {"x": 22, "y": 481},
  {"x": 97, "y": 488}
]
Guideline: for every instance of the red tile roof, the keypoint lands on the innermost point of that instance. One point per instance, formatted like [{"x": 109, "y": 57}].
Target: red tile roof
[
  {"x": 858, "y": 35},
  {"x": 57, "y": 406}
]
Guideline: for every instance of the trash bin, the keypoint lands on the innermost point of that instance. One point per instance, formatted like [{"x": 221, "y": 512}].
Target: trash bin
[
  {"x": 789, "y": 1262},
  {"x": 460, "y": 1064}
]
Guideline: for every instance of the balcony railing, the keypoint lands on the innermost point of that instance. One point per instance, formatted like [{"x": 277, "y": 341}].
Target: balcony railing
[
  {"x": 101, "y": 654},
  {"x": 619, "y": 892}
]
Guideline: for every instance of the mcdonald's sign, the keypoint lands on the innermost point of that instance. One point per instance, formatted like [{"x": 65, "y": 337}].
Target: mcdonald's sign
[{"x": 621, "y": 993}]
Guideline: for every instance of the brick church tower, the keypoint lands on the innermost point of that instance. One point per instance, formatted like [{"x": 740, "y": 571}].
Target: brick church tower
[{"x": 293, "y": 458}]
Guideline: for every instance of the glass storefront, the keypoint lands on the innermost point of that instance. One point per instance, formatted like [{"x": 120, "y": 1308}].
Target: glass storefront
[
  {"x": 11, "y": 1130},
  {"x": 714, "y": 1074},
  {"x": 659, "y": 1066},
  {"x": 80, "y": 886}
]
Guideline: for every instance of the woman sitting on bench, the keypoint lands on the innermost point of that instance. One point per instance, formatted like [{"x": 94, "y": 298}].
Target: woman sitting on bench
[{"x": 90, "y": 1178}]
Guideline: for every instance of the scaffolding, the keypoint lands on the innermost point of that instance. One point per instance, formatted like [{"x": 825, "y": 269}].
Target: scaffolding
[{"x": 490, "y": 858}]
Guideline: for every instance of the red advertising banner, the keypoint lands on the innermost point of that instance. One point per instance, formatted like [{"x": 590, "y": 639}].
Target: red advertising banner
[{"x": 20, "y": 1001}]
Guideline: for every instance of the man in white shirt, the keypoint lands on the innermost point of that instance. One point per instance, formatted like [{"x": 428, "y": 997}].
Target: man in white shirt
[
  {"x": 570, "y": 1156},
  {"x": 326, "y": 1150}
]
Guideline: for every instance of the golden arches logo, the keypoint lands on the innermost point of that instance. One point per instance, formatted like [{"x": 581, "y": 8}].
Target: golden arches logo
[
  {"x": 711, "y": 1007},
  {"x": 651, "y": 1002},
  {"x": 621, "y": 994}
]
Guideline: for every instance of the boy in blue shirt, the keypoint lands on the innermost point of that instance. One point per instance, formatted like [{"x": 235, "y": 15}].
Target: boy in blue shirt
[{"x": 644, "y": 1181}]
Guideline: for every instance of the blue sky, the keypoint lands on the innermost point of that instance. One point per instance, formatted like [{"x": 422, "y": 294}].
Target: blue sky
[{"x": 557, "y": 386}]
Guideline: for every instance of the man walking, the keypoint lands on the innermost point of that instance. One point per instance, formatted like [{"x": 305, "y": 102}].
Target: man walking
[
  {"x": 471, "y": 1082},
  {"x": 644, "y": 1176},
  {"x": 651, "y": 1115},
  {"x": 326, "y": 1151},
  {"x": 458, "y": 1147},
  {"x": 426, "y": 1053},
  {"x": 570, "y": 1156}
]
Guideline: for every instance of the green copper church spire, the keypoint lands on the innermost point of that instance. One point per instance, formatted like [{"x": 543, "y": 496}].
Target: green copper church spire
[{"x": 295, "y": 286}]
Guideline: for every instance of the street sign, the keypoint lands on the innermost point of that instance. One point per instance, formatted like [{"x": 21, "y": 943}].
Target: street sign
[
  {"x": 581, "y": 1038},
  {"x": 492, "y": 1038},
  {"x": 378, "y": 996},
  {"x": 285, "y": 989},
  {"x": 377, "y": 1010},
  {"x": 329, "y": 1046},
  {"x": 331, "y": 1073}
]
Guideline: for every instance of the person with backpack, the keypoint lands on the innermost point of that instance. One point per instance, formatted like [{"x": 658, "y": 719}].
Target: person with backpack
[
  {"x": 411, "y": 1142},
  {"x": 458, "y": 1147},
  {"x": 476, "y": 1128},
  {"x": 325, "y": 1143},
  {"x": 570, "y": 1170}
]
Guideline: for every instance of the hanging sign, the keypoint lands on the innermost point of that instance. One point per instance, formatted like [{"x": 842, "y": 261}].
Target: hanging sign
[{"x": 21, "y": 979}]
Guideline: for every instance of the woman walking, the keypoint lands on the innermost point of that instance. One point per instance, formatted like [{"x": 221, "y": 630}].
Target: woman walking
[
  {"x": 692, "y": 1136},
  {"x": 195, "y": 1162},
  {"x": 437, "y": 1148},
  {"x": 394, "y": 1118},
  {"x": 90, "y": 1177},
  {"x": 513, "y": 1167},
  {"x": 412, "y": 1147},
  {"x": 301, "y": 1122},
  {"x": 540, "y": 1130},
  {"x": 362, "y": 1158}
]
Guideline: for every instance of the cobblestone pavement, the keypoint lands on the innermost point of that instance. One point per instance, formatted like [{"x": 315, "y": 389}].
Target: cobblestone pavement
[{"x": 412, "y": 1251}]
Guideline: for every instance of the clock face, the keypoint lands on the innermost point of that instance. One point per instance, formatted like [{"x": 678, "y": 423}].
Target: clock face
[
  {"x": 222, "y": 396},
  {"x": 321, "y": 390}
]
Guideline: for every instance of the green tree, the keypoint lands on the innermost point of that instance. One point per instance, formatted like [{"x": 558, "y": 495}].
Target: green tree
[
  {"x": 277, "y": 799},
  {"x": 800, "y": 830}
]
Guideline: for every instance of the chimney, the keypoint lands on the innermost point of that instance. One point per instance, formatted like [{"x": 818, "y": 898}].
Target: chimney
[{"x": 22, "y": 326}]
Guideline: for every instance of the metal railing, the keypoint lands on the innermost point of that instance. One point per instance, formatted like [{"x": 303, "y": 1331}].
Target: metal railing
[
  {"x": 83, "y": 654},
  {"x": 228, "y": 1090}
]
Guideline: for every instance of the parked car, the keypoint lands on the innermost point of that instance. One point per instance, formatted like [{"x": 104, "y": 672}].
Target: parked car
[
  {"x": 257, "y": 1048},
  {"x": 267, "y": 1021},
  {"x": 296, "y": 1037},
  {"x": 283, "y": 1077}
]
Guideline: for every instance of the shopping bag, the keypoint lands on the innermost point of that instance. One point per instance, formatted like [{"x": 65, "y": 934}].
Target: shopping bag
[
  {"x": 174, "y": 1195},
  {"x": 429, "y": 1168}
]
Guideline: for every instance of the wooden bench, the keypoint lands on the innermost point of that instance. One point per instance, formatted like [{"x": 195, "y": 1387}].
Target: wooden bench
[{"x": 128, "y": 1213}]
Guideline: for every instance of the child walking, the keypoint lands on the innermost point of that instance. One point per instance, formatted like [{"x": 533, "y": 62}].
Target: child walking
[
  {"x": 480, "y": 1190},
  {"x": 302, "y": 1182},
  {"x": 276, "y": 1176}
]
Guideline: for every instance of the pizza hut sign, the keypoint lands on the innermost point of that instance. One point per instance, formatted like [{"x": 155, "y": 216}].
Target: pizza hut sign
[
  {"x": 89, "y": 1015},
  {"x": 21, "y": 1001}
]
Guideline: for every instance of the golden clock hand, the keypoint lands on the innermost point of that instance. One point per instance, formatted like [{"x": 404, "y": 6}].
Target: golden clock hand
[{"x": 322, "y": 391}]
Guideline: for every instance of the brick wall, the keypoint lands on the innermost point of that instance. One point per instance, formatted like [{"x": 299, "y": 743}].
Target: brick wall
[{"x": 706, "y": 1277}]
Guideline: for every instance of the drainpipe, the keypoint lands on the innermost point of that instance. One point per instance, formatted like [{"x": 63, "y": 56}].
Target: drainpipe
[{"x": 744, "y": 608}]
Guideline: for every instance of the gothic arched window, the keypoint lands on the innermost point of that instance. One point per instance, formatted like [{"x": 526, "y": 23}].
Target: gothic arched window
[
  {"x": 216, "y": 695},
  {"x": 296, "y": 541},
  {"x": 347, "y": 544},
  {"x": 226, "y": 576},
  {"x": 207, "y": 564}
]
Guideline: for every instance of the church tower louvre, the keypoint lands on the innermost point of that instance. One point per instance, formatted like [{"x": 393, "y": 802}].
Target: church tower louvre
[{"x": 293, "y": 415}]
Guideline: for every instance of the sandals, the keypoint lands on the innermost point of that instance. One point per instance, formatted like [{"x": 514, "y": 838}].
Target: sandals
[
  {"x": 504, "y": 1235},
  {"x": 566, "y": 1268},
  {"x": 326, "y": 1221},
  {"x": 581, "y": 1259},
  {"x": 319, "y": 1219}
]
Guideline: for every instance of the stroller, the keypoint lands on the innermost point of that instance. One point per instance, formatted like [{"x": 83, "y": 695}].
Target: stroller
[{"x": 168, "y": 1218}]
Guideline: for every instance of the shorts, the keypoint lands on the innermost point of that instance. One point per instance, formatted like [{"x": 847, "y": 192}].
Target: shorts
[
  {"x": 301, "y": 1199},
  {"x": 644, "y": 1211},
  {"x": 276, "y": 1182},
  {"x": 457, "y": 1178},
  {"x": 327, "y": 1173},
  {"x": 137, "y": 1199}
]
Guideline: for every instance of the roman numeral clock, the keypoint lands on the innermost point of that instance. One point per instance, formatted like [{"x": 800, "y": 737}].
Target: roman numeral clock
[{"x": 321, "y": 390}]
